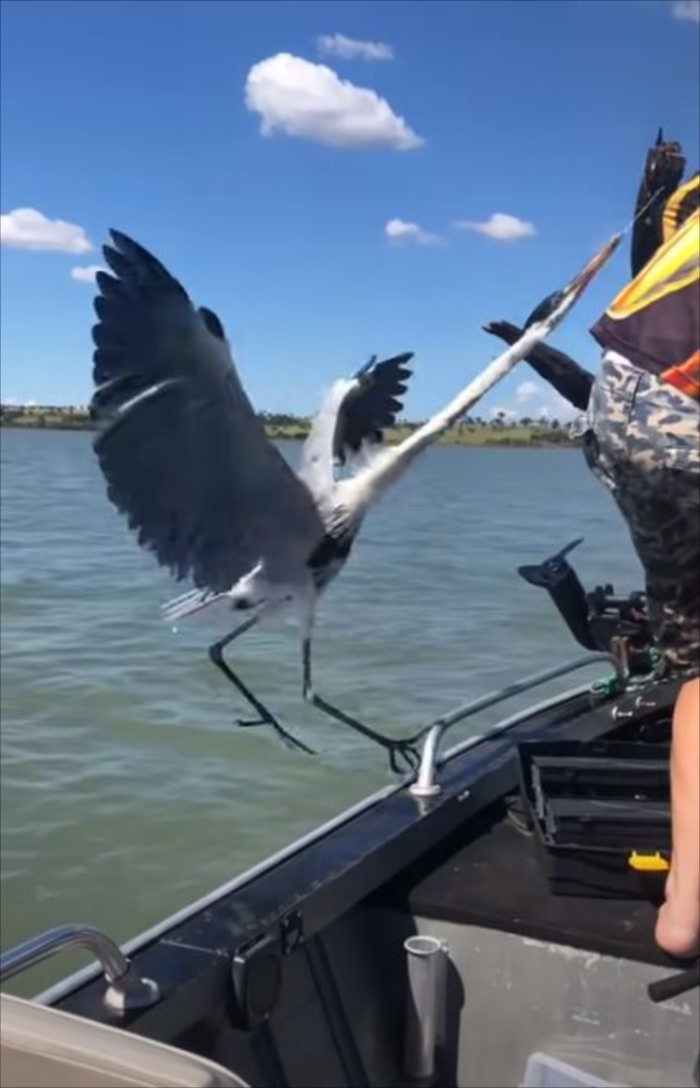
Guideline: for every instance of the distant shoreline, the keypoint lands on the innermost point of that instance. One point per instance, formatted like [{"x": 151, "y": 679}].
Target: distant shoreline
[{"x": 522, "y": 435}]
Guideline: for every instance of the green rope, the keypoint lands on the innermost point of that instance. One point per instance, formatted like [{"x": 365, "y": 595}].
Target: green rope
[{"x": 610, "y": 686}]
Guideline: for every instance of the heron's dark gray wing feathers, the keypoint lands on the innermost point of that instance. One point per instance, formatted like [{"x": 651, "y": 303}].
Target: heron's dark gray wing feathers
[
  {"x": 371, "y": 404},
  {"x": 352, "y": 414},
  {"x": 183, "y": 453}
]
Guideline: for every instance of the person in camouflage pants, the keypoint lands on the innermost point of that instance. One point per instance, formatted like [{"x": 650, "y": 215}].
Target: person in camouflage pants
[{"x": 642, "y": 443}]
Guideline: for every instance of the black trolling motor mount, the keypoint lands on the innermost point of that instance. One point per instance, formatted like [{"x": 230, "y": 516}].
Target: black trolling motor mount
[{"x": 599, "y": 620}]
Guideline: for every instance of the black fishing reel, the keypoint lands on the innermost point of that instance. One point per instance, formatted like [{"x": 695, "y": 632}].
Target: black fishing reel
[{"x": 599, "y": 620}]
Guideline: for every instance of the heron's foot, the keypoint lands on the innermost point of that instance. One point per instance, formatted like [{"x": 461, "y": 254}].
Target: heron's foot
[
  {"x": 290, "y": 741},
  {"x": 400, "y": 752}
]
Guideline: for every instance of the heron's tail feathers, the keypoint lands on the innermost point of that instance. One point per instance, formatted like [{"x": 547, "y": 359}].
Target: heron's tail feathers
[{"x": 179, "y": 608}]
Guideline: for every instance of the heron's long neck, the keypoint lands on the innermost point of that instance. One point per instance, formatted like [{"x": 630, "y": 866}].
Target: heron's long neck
[{"x": 391, "y": 463}]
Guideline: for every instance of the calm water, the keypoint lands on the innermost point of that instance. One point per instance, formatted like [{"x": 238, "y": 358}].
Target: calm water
[{"x": 127, "y": 790}]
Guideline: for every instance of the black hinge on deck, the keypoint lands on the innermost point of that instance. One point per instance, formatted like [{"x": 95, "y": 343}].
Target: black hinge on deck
[
  {"x": 291, "y": 932},
  {"x": 256, "y": 974}
]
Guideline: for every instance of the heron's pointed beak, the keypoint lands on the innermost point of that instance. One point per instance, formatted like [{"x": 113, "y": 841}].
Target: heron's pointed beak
[
  {"x": 580, "y": 282},
  {"x": 560, "y": 302}
]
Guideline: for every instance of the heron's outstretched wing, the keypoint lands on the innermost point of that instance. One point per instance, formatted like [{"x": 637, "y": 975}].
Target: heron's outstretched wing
[
  {"x": 184, "y": 455},
  {"x": 353, "y": 417}
]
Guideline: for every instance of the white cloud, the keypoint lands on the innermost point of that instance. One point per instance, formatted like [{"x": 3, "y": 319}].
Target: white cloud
[
  {"x": 85, "y": 273},
  {"x": 26, "y": 228},
  {"x": 507, "y": 414},
  {"x": 556, "y": 408},
  {"x": 501, "y": 227},
  {"x": 400, "y": 232},
  {"x": 547, "y": 407},
  {"x": 526, "y": 391},
  {"x": 18, "y": 402},
  {"x": 687, "y": 11},
  {"x": 337, "y": 45},
  {"x": 310, "y": 101}
]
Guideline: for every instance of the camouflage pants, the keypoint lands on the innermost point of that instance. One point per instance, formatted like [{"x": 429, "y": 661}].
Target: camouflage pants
[{"x": 643, "y": 441}]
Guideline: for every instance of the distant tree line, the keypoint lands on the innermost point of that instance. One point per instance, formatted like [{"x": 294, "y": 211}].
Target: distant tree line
[{"x": 523, "y": 431}]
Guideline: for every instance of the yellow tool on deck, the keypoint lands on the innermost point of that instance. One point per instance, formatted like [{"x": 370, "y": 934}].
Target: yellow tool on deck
[{"x": 648, "y": 863}]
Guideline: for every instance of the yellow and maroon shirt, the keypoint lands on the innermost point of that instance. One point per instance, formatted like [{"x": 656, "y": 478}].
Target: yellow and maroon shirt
[{"x": 655, "y": 321}]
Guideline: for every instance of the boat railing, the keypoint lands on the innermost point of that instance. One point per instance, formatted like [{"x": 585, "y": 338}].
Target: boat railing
[
  {"x": 425, "y": 784},
  {"x": 127, "y": 989}
]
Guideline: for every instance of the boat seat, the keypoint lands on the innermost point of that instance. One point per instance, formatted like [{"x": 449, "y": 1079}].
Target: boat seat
[{"x": 41, "y": 1047}]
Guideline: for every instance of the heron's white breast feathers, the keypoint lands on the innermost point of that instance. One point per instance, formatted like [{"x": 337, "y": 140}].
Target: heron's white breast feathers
[
  {"x": 363, "y": 459},
  {"x": 355, "y": 494}
]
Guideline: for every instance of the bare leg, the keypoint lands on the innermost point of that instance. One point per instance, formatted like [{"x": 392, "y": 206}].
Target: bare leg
[
  {"x": 678, "y": 924},
  {"x": 216, "y": 653},
  {"x": 398, "y": 749}
]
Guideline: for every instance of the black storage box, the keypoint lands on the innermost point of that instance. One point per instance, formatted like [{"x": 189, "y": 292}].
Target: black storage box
[{"x": 592, "y": 805}]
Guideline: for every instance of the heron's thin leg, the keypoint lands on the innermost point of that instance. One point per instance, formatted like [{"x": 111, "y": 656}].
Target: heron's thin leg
[
  {"x": 405, "y": 750},
  {"x": 216, "y": 654}
]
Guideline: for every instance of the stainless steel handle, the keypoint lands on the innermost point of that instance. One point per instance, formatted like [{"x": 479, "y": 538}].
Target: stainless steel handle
[
  {"x": 126, "y": 988},
  {"x": 425, "y": 784}
]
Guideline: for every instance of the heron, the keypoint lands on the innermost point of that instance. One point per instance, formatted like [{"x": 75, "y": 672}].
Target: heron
[{"x": 186, "y": 459}]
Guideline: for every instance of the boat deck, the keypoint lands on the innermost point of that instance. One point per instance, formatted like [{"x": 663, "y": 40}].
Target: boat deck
[{"x": 497, "y": 879}]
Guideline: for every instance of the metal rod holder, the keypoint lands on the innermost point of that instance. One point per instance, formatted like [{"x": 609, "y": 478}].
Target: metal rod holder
[
  {"x": 425, "y": 1004},
  {"x": 425, "y": 784},
  {"x": 126, "y": 989}
]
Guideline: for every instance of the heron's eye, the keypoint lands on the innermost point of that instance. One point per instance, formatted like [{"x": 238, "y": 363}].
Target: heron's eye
[{"x": 241, "y": 604}]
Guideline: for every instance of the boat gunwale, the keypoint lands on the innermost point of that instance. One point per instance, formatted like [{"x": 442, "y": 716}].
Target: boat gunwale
[{"x": 62, "y": 989}]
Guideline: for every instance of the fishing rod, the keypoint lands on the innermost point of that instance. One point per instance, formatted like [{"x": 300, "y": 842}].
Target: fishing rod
[{"x": 551, "y": 301}]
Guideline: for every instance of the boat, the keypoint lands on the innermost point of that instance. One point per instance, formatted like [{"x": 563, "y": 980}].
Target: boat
[{"x": 485, "y": 921}]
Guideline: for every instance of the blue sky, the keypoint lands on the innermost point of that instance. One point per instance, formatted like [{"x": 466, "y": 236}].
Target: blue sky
[{"x": 193, "y": 127}]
